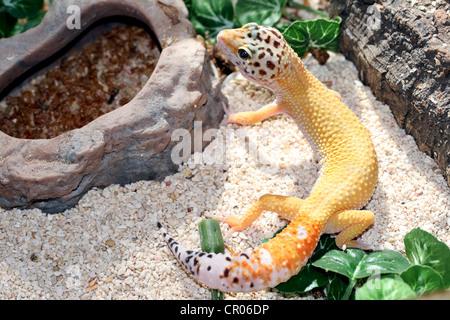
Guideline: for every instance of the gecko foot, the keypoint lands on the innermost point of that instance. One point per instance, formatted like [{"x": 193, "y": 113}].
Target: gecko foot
[
  {"x": 229, "y": 112},
  {"x": 355, "y": 244}
]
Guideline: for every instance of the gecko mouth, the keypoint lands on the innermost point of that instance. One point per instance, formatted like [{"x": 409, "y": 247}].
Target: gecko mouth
[{"x": 223, "y": 40}]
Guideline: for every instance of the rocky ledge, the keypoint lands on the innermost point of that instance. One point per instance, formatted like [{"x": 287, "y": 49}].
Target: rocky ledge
[{"x": 133, "y": 142}]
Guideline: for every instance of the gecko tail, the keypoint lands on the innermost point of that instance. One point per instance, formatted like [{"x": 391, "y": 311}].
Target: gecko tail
[
  {"x": 263, "y": 267},
  {"x": 212, "y": 269}
]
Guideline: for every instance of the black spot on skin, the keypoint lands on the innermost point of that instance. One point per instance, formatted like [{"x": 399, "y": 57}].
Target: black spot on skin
[
  {"x": 188, "y": 258},
  {"x": 195, "y": 261},
  {"x": 228, "y": 258},
  {"x": 270, "y": 65},
  {"x": 256, "y": 64},
  {"x": 275, "y": 33},
  {"x": 270, "y": 51},
  {"x": 276, "y": 44},
  {"x": 201, "y": 254},
  {"x": 209, "y": 268},
  {"x": 226, "y": 272},
  {"x": 258, "y": 37},
  {"x": 262, "y": 72},
  {"x": 176, "y": 249},
  {"x": 244, "y": 255},
  {"x": 235, "y": 280},
  {"x": 249, "y": 35},
  {"x": 261, "y": 55},
  {"x": 159, "y": 225},
  {"x": 209, "y": 256},
  {"x": 267, "y": 40},
  {"x": 272, "y": 76},
  {"x": 251, "y": 285}
]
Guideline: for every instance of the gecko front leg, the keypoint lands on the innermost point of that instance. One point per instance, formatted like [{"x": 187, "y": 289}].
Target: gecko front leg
[{"x": 252, "y": 117}]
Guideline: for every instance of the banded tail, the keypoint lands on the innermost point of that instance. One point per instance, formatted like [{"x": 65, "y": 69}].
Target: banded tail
[{"x": 263, "y": 267}]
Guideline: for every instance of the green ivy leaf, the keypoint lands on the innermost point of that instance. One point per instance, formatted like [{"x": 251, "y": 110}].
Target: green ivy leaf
[
  {"x": 344, "y": 263},
  {"x": 336, "y": 288},
  {"x": 7, "y": 23},
  {"x": 319, "y": 33},
  {"x": 356, "y": 264},
  {"x": 212, "y": 16},
  {"x": 307, "y": 279},
  {"x": 20, "y": 27},
  {"x": 357, "y": 254},
  {"x": 188, "y": 4},
  {"x": 34, "y": 21},
  {"x": 17, "y": 28},
  {"x": 385, "y": 289},
  {"x": 325, "y": 244},
  {"x": 422, "y": 279},
  {"x": 422, "y": 248},
  {"x": 263, "y": 12},
  {"x": 282, "y": 27},
  {"x": 23, "y": 8},
  {"x": 381, "y": 262}
]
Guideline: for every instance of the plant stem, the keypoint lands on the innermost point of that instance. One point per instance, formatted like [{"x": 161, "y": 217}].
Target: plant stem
[
  {"x": 290, "y": 16},
  {"x": 309, "y": 9},
  {"x": 211, "y": 241},
  {"x": 216, "y": 294},
  {"x": 349, "y": 289}
]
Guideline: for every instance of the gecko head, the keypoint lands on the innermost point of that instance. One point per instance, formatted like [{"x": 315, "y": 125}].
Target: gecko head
[{"x": 259, "y": 52}]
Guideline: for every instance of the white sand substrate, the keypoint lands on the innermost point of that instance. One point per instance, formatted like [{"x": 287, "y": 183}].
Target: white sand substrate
[{"x": 108, "y": 246}]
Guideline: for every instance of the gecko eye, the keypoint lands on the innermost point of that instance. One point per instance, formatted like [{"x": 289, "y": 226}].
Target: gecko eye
[{"x": 244, "y": 53}]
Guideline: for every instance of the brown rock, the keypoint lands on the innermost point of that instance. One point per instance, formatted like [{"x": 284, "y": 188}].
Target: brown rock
[{"x": 128, "y": 144}]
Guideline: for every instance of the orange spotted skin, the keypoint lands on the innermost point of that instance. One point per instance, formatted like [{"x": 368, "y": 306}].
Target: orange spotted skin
[{"x": 346, "y": 181}]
